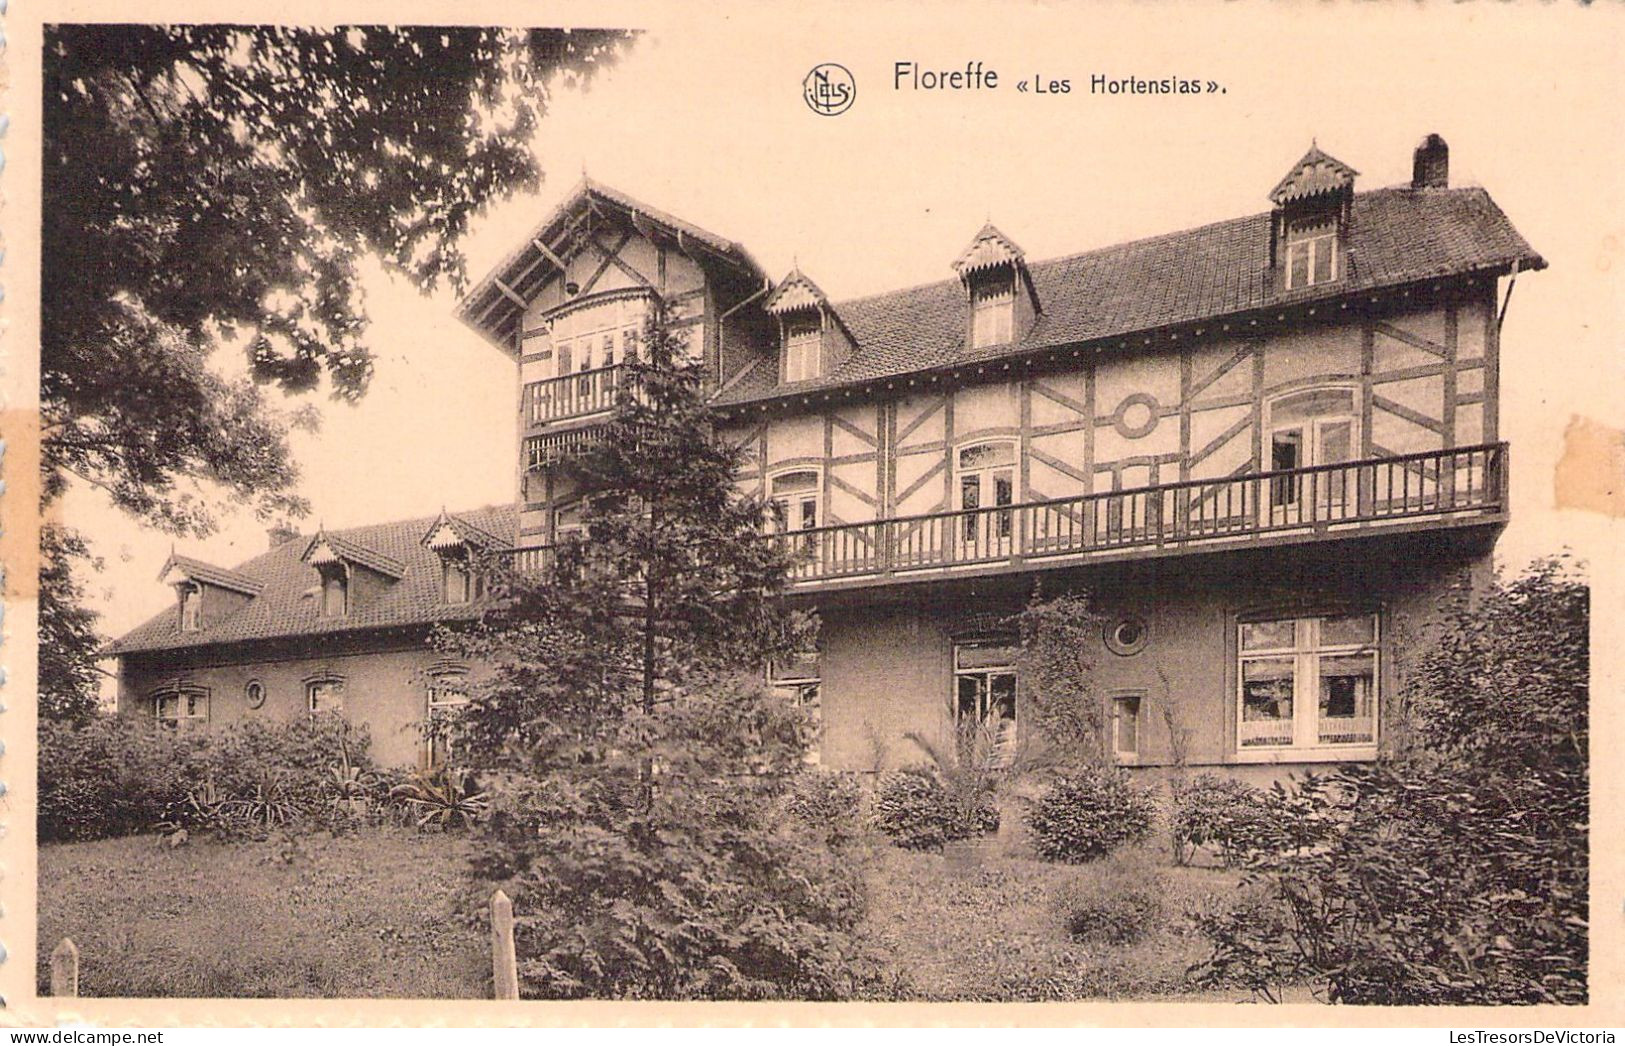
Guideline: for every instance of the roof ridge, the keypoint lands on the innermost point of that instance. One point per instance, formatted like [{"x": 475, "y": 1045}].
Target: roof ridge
[{"x": 1122, "y": 244}]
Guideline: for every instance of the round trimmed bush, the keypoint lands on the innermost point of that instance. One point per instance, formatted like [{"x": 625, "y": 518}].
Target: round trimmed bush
[
  {"x": 1085, "y": 814},
  {"x": 1117, "y": 902},
  {"x": 1230, "y": 815},
  {"x": 919, "y": 813}
]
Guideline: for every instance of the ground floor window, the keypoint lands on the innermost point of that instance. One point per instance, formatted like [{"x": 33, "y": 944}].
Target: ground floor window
[
  {"x": 985, "y": 690},
  {"x": 181, "y": 707},
  {"x": 800, "y": 681},
  {"x": 1308, "y": 682},
  {"x": 325, "y": 695},
  {"x": 448, "y": 695},
  {"x": 1126, "y": 727}
]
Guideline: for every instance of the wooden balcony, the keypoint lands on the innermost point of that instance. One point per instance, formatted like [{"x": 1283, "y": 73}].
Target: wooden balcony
[
  {"x": 1438, "y": 488},
  {"x": 572, "y": 396},
  {"x": 1463, "y": 486}
]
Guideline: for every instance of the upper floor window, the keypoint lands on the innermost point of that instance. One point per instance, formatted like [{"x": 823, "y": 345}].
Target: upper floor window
[
  {"x": 595, "y": 336},
  {"x": 1311, "y": 254},
  {"x": 460, "y": 582},
  {"x": 802, "y": 342},
  {"x": 1308, "y": 428},
  {"x": 993, "y": 310},
  {"x": 191, "y": 594},
  {"x": 570, "y": 520},
  {"x": 183, "y": 706},
  {"x": 794, "y": 497},
  {"x": 1307, "y": 682},
  {"x": 986, "y": 480},
  {"x": 335, "y": 589}
]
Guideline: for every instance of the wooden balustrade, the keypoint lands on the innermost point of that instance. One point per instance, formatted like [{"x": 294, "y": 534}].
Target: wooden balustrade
[
  {"x": 1325, "y": 499},
  {"x": 573, "y": 395}
]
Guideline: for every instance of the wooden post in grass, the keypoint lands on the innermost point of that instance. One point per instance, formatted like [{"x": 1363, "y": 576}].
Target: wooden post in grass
[
  {"x": 504, "y": 964},
  {"x": 65, "y": 969}
]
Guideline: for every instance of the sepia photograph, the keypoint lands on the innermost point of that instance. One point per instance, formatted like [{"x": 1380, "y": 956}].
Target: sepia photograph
[{"x": 1052, "y": 509}]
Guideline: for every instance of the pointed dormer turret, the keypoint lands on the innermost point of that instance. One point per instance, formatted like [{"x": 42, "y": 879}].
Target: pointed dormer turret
[
  {"x": 206, "y": 594},
  {"x": 1003, "y": 301},
  {"x": 459, "y": 544},
  {"x": 812, "y": 338},
  {"x": 351, "y": 574},
  {"x": 1309, "y": 228}
]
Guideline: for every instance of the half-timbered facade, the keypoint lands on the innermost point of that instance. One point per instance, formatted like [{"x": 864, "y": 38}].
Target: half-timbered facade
[{"x": 1265, "y": 447}]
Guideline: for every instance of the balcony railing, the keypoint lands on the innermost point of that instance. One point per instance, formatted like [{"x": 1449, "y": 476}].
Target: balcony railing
[
  {"x": 1324, "y": 499},
  {"x": 1357, "y": 497},
  {"x": 573, "y": 395}
]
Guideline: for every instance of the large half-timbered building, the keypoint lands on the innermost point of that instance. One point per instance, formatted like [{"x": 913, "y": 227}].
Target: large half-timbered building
[{"x": 1267, "y": 448}]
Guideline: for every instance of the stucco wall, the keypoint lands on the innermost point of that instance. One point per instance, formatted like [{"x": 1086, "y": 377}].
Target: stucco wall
[
  {"x": 887, "y": 668},
  {"x": 385, "y": 689}
]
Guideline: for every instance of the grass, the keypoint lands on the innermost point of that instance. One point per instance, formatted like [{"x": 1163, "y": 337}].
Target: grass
[
  {"x": 391, "y": 913},
  {"x": 382, "y": 914},
  {"x": 988, "y": 929}
]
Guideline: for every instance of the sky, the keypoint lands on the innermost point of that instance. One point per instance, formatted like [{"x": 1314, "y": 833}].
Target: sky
[{"x": 705, "y": 119}]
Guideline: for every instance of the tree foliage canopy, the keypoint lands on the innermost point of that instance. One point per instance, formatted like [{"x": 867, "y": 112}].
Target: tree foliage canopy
[{"x": 207, "y": 184}]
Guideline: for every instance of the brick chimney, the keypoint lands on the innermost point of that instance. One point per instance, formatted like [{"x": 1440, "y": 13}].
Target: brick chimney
[
  {"x": 280, "y": 534},
  {"x": 1430, "y": 169}
]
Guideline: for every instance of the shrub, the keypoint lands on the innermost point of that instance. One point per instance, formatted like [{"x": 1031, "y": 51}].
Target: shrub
[
  {"x": 120, "y": 774},
  {"x": 1229, "y": 815},
  {"x": 1119, "y": 901},
  {"x": 1457, "y": 875},
  {"x": 1086, "y": 813},
  {"x": 919, "y": 813},
  {"x": 679, "y": 883},
  {"x": 111, "y": 775},
  {"x": 830, "y": 803}
]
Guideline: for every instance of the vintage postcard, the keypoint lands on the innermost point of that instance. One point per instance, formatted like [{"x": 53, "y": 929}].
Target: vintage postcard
[{"x": 575, "y": 514}]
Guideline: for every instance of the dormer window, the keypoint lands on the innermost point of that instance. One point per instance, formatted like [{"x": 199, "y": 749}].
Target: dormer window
[
  {"x": 191, "y": 594},
  {"x": 993, "y": 309},
  {"x": 456, "y": 579},
  {"x": 335, "y": 590},
  {"x": 999, "y": 289},
  {"x": 1313, "y": 204},
  {"x": 812, "y": 339},
  {"x": 1311, "y": 253},
  {"x": 802, "y": 340}
]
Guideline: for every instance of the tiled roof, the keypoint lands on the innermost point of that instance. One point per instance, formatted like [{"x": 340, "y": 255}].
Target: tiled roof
[
  {"x": 1397, "y": 236},
  {"x": 340, "y": 547},
  {"x": 286, "y": 605},
  {"x": 197, "y": 570}
]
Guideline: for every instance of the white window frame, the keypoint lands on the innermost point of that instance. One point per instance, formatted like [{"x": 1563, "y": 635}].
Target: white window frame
[
  {"x": 803, "y": 345},
  {"x": 312, "y": 686},
  {"x": 341, "y": 575},
  {"x": 1127, "y": 756},
  {"x": 447, "y": 690},
  {"x": 1284, "y": 492},
  {"x": 996, "y": 528},
  {"x": 1312, "y": 245},
  {"x": 460, "y": 564},
  {"x": 596, "y": 333},
  {"x": 788, "y": 512},
  {"x": 191, "y": 597},
  {"x": 1306, "y": 652},
  {"x": 992, "y": 311},
  {"x": 1006, "y": 740},
  {"x": 187, "y": 699}
]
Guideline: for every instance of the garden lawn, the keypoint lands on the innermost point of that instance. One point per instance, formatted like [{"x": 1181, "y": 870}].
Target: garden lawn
[
  {"x": 381, "y": 913},
  {"x": 988, "y": 929}
]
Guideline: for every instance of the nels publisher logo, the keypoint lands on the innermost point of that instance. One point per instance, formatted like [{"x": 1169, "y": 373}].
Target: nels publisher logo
[{"x": 829, "y": 89}]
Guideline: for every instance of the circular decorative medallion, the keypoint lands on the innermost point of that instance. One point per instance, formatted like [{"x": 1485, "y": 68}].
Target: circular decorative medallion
[
  {"x": 1136, "y": 416},
  {"x": 1127, "y": 636},
  {"x": 254, "y": 693}
]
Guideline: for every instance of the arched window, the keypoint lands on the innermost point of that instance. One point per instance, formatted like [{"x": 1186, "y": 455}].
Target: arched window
[
  {"x": 1308, "y": 428},
  {"x": 795, "y": 497},
  {"x": 986, "y": 473},
  {"x": 180, "y": 705}
]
